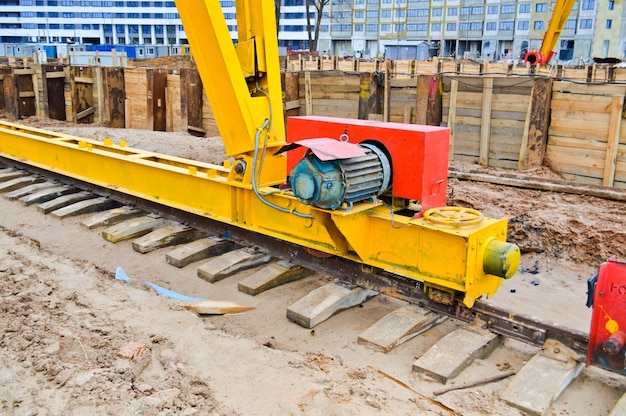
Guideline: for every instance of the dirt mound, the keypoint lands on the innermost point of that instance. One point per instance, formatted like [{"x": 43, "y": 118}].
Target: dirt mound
[{"x": 165, "y": 62}]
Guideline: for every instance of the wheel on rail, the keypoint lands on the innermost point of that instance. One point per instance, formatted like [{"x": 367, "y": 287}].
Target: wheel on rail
[{"x": 453, "y": 216}]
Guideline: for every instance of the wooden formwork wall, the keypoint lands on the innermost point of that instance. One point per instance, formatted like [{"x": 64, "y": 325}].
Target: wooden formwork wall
[
  {"x": 587, "y": 138},
  {"x": 173, "y": 98},
  {"x": 329, "y": 93},
  {"x": 488, "y": 119},
  {"x": 146, "y": 103},
  {"x": 402, "y": 100}
]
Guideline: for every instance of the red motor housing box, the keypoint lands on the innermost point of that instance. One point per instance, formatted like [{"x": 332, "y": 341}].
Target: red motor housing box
[
  {"x": 419, "y": 154},
  {"x": 607, "y": 334}
]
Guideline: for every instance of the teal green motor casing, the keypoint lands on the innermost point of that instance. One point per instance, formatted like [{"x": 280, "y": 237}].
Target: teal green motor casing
[{"x": 341, "y": 182}]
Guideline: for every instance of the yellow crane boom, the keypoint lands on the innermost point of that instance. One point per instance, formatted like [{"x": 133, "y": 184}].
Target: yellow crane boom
[{"x": 560, "y": 15}]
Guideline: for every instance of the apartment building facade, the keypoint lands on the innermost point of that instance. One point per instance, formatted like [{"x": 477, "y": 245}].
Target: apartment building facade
[
  {"x": 401, "y": 29},
  {"x": 492, "y": 29}
]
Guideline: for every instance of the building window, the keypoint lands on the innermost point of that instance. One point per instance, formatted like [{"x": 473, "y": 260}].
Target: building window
[
  {"x": 385, "y": 28},
  {"x": 492, "y": 26},
  {"x": 478, "y": 10},
  {"x": 435, "y": 27},
  {"x": 611, "y": 4},
  {"x": 358, "y": 28},
  {"x": 359, "y": 15},
  {"x": 524, "y": 8},
  {"x": 385, "y": 14},
  {"x": 570, "y": 24},
  {"x": 372, "y": 14},
  {"x": 508, "y": 8},
  {"x": 506, "y": 25},
  {"x": 342, "y": 28},
  {"x": 609, "y": 23},
  {"x": 400, "y": 14},
  {"x": 437, "y": 12},
  {"x": 588, "y": 4},
  {"x": 453, "y": 11},
  {"x": 371, "y": 28},
  {"x": 539, "y": 25},
  {"x": 474, "y": 26},
  {"x": 522, "y": 25},
  {"x": 586, "y": 23},
  {"x": 541, "y": 7},
  {"x": 492, "y": 9},
  {"x": 451, "y": 27}
]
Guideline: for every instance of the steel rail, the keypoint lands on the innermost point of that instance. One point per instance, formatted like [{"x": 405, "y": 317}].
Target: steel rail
[{"x": 507, "y": 323}]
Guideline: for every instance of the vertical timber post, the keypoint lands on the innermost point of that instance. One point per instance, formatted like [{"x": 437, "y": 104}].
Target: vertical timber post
[
  {"x": 369, "y": 95},
  {"x": 485, "y": 125},
  {"x": 292, "y": 94},
  {"x": 387, "y": 91},
  {"x": 428, "y": 106},
  {"x": 539, "y": 121}
]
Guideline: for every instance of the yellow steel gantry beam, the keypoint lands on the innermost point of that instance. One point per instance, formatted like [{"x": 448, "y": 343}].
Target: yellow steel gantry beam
[{"x": 446, "y": 258}]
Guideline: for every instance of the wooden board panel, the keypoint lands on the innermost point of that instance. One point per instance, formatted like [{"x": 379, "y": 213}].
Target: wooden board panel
[
  {"x": 82, "y": 94},
  {"x": 173, "y": 102},
  {"x": 599, "y": 117},
  {"x": 192, "y": 101},
  {"x": 565, "y": 131},
  {"x": 573, "y": 126},
  {"x": 11, "y": 94},
  {"x": 53, "y": 88},
  {"x": 135, "y": 87},
  {"x": 113, "y": 79},
  {"x": 208, "y": 118},
  {"x": 587, "y": 89}
]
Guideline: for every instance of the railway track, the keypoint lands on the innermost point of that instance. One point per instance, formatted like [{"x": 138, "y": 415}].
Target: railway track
[{"x": 67, "y": 198}]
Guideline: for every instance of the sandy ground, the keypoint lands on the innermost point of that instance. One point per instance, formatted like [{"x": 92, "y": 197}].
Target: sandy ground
[{"x": 65, "y": 318}]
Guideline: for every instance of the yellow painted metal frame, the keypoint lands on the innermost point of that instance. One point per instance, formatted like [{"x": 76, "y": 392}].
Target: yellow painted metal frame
[
  {"x": 243, "y": 85},
  {"x": 242, "y": 81},
  {"x": 446, "y": 257}
]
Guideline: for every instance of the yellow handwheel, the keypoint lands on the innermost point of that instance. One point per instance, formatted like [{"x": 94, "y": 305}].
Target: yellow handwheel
[{"x": 453, "y": 216}]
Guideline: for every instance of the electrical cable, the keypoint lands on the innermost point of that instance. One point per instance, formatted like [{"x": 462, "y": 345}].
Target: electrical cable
[{"x": 257, "y": 175}]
